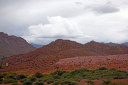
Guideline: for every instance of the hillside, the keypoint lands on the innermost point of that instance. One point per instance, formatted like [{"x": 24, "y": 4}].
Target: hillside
[
  {"x": 126, "y": 43},
  {"x": 12, "y": 45},
  {"x": 45, "y": 58},
  {"x": 119, "y": 62}
]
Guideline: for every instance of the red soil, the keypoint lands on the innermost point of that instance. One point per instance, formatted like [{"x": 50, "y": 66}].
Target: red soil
[
  {"x": 46, "y": 59},
  {"x": 94, "y": 62}
]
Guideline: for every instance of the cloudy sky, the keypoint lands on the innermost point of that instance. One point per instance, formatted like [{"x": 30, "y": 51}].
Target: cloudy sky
[{"x": 42, "y": 21}]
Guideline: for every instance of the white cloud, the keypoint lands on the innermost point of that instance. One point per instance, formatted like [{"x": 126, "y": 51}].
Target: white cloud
[
  {"x": 58, "y": 28},
  {"x": 106, "y": 28},
  {"x": 81, "y": 29}
]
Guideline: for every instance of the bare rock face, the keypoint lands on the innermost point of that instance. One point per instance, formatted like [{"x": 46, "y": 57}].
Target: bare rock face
[{"x": 12, "y": 45}]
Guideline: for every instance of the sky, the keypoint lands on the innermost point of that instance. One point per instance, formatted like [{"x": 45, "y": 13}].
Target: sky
[{"x": 42, "y": 21}]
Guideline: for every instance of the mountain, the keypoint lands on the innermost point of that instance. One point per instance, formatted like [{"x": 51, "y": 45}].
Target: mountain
[
  {"x": 36, "y": 45},
  {"x": 114, "y": 44},
  {"x": 126, "y": 43},
  {"x": 44, "y": 59},
  {"x": 105, "y": 49},
  {"x": 12, "y": 45}
]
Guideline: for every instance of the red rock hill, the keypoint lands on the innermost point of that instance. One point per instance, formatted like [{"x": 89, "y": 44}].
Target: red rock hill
[
  {"x": 45, "y": 58},
  {"x": 12, "y": 45}
]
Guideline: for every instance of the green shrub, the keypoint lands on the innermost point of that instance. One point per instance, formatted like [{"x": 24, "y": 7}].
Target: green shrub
[
  {"x": 59, "y": 73},
  {"x": 38, "y": 75},
  {"x": 119, "y": 77},
  {"x": 50, "y": 81},
  {"x": 48, "y": 78},
  {"x": 113, "y": 69},
  {"x": 38, "y": 83},
  {"x": 10, "y": 76},
  {"x": 79, "y": 72},
  {"x": 21, "y": 76},
  {"x": 106, "y": 81},
  {"x": 1, "y": 77},
  {"x": 74, "y": 72},
  {"x": 31, "y": 79},
  {"x": 23, "y": 80},
  {"x": 102, "y": 68},
  {"x": 27, "y": 82},
  {"x": 65, "y": 83},
  {"x": 6, "y": 81},
  {"x": 56, "y": 77},
  {"x": 83, "y": 70}
]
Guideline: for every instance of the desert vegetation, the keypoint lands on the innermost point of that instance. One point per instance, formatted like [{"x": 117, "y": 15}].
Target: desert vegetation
[{"x": 66, "y": 78}]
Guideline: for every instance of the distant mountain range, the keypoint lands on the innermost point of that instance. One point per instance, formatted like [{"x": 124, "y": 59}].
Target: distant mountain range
[
  {"x": 36, "y": 45},
  {"x": 126, "y": 43},
  {"x": 113, "y": 44},
  {"x": 116, "y": 44}
]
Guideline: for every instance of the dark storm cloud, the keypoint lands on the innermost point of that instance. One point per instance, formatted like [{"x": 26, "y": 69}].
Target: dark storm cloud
[{"x": 103, "y": 9}]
